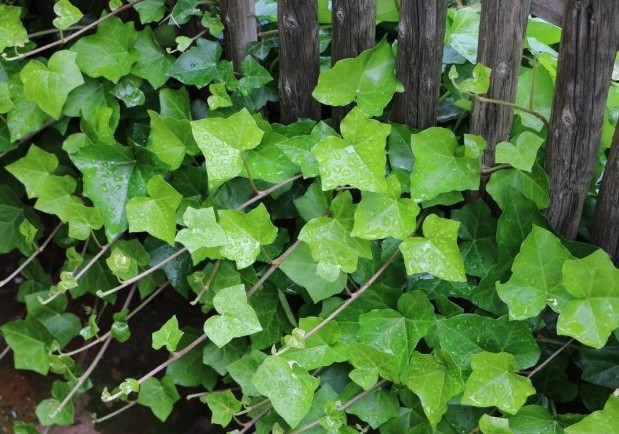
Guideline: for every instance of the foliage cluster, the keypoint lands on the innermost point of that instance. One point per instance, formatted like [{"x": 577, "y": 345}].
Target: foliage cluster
[{"x": 346, "y": 284}]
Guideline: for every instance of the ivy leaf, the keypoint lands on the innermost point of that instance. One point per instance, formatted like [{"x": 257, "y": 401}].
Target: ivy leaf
[
  {"x": 242, "y": 371},
  {"x": 375, "y": 408},
  {"x": 6, "y": 104},
  {"x": 441, "y": 166},
  {"x": 268, "y": 162},
  {"x": 593, "y": 314},
  {"x": 381, "y": 216},
  {"x": 109, "y": 53},
  {"x": 370, "y": 363},
  {"x": 236, "y": 318},
  {"x": 67, "y": 14},
  {"x": 169, "y": 335},
  {"x": 321, "y": 349},
  {"x": 170, "y": 139},
  {"x": 199, "y": 65},
  {"x": 155, "y": 214},
  {"x": 534, "y": 418},
  {"x": 159, "y": 396},
  {"x": 25, "y": 117},
  {"x": 48, "y": 414},
  {"x": 50, "y": 85},
  {"x": 126, "y": 258},
  {"x": 289, "y": 387},
  {"x": 493, "y": 383},
  {"x": 12, "y": 216},
  {"x": 12, "y": 31},
  {"x": 464, "y": 33},
  {"x": 437, "y": 253},
  {"x": 494, "y": 425},
  {"x": 183, "y": 10},
  {"x": 246, "y": 232},
  {"x": 128, "y": 90},
  {"x": 27, "y": 340},
  {"x": 219, "y": 96},
  {"x": 477, "y": 84},
  {"x": 358, "y": 159},
  {"x": 254, "y": 75},
  {"x": 467, "y": 334},
  {"x": 202, "y": 232},
  {"x": 604, "y": 420},
  {"x": 150, "y": 10},
  {"x": 223, "y": 406},
  {"x": 521, "y": 155},
  {"x": 368, "y": 79},
  {"x": 333, "y": 248},
  {"x": 153, "y": 62},
  {"x": 435, "y": 378},
  {"x": 536, "y": 276},
  {"x": 222, "y": 141},
  {"x": 533, "y": 186}
]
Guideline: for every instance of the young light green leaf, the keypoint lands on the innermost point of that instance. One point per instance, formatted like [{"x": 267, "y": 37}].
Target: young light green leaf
[
  {"x": 222, "y": 141},
  {"x": 521, "y": 155},
  {"x": 155, "y": 214},
  {"x": 153, "y": 62},
  {"x": 593, "y": 314},
  {"x": 150, "y": 10},
  {"x": 536, "y": 276},
  {"x": 369, "y": 80},
  {"x": 381, "y": 216},
  {"x": 494, "y": 425},
  {"x": 236, "y": 318},
  {"x": 109, "y": 53},
  {"x": 254, "y": 75},
  {"x": 169, "y": 335},
  {"x": 67, "y": 14},
  {"x": 437, "y": 253},
  {"x": 435, "y": 378},
  {"x": 202, "y": 232},
  {"x": 604, "y": 420},
  {"x": 219, "y": 96},
  {"x": 321, "y": 349},
  {"x": 370, "y": 364},
  {"x": 159, "y": 396},
  {"x": 441, "y": 165},
  {"x": 6, "y": 104},
  {"x": 12, "y": 31},
  {"x": 223, "y": 406},
  {"x": 289, "y": 387},
  {"x": 493, "y": 383},
  {"x": 246, "y": 232},
  {"x": 358, "y": 159},
  {"x": 477, "y": 84},
  {"x": 126, "y": 258},
  {"x": 48, "y": 414},
  {"x": 169, "y": 139},
  {"x": 533, "y": 186},
  {"x": 27, "y": 340},
  {"x": 464, "y": 33}
]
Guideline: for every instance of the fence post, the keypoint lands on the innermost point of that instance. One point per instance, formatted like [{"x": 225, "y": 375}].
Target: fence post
[
  {"x": 605, "y": 227},
  {"x": 501, "y": 33},
  {"x": 354, "y": 30},
  {"x": 586, "y": 58},
  {"x": 240, "y": 28},
  {"x": 299, "y": 57},
  {"x": 419, "y": 60}
]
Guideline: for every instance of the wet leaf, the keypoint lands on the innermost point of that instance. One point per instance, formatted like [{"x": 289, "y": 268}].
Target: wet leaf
[
  {"x": 202, "y": 232},
  {"x": 169, "y": 335},
  {"x": 521, "y": 155},
  {"x": 67, "y": 14},
  {"x": 223, "y": 406},
  {"x": 599, "y": 421},
  {"x": 12, "y": 31},
  {"x": 381, "y": 216},
  {"x": 159, "y": 396}
]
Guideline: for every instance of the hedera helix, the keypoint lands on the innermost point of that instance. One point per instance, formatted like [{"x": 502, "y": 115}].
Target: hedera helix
[{"x": 346, "y": 284}]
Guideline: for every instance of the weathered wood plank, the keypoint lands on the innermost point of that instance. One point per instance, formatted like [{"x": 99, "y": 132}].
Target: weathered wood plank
[
  {"x": 586, "y": 58},
  {"x": 354, "y": 30},
  {"x": 502, "y": 52},
  {"x": 299, "y": 57},
  {"x": 240, "y": 28},
  {"x": 549, "y": 10},
  {"x": 419, "y": 61}
]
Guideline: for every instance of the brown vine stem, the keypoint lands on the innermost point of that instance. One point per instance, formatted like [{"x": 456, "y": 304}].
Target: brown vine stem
[
  {"x": 537, "y": 114},
  {"x": 252, "y": 422},
  {"x": 207, "y": 285},
  {"x": 549, "y": 359},
  {"x": 4, "y": 352},
  {"x": 52, "y": 31},
  {"x": 31, "y": 257},
  {"x": 496, "y": 168},
  {"x": 114, "y": 413},
  {"x": 63, "y": 41},
  {"x": 264, "y": 193},
  {"x": 274, "y": 266}
]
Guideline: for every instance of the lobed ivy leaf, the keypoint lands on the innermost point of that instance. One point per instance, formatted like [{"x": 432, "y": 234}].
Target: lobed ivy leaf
[
  {"x": 435, "y": 379},
  {"x": 534, "y": 418},
  {"x": 381, "y": 216},
  {"x": 218, "y": 96},
  {"x": 370, "y": 81},
  {"x": 155, "y": 214},
  {"x": 289, "y": 387},
  {"x": 243, "y": 369},
  {"x": 110, "y": 52},
  {"x": 159, "y": 396},
  {"x": 170, "y": 139},
  {"x": 222, "y": 141},
  {"x": 12, "y": 216},
  {"x": 49, "y": 86},
  {"x": 236, "y": 318},
  {"x": 375, "y": 408},
  {"x": 536, "y": 276},
  {"x": 48, "y": 414},
  {"x": 25, "y": 117},
  {"x": 268, "y": 162},
  {"x": 321, "y": 349},
  {"x": 441, "y": 166},
  {"x": 254, "y": 75},
  {"x": 463, "y": 33},
  {"x": 437, "y": 253},
  {"x": 153, "y": 62},
  {"x": 358, "y": 159},
  {"x": 128, "y": 91},
  {"x": 199, "y": 65},
  {"x": 127, "y": 257},
  {"x": 533, "y": 186},
  {"x": 67, "y": 14},
  {"x": 593, "y": 313},
  {"x": 169, "y": 335},
  {"x": 493, "y": 383},
  {"x": 202, "y": 232},
  {"x": 477, "y": 84},
  {"x": 6, "y": 103},
  {"x": 604, "y": 420},
  {"x": 522, "y": 154},
  {"x": 370, "y": 364},
  {"x": 27, "y": 341},
  {"x": 12, "y": 31},
  {"x": 223, "y": 406},
  {"x": 150, "y": 10}
]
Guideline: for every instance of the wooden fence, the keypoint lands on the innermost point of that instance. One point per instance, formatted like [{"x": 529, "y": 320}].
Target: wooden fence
[{"x": 586, "y": 57}]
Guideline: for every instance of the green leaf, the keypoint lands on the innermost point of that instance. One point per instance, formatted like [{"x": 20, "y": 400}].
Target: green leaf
[
  {"x": 593, "y": 314},
  {"x": 219, "y": 96},
  {"x": 441, "y": 166},
  {"x": 199, "y": 65},
  {"x": 223, "y": 406},
  {"x": 62, "y": 326},
  {"x": 6, "y": 104},
  {"x": 604, "y": 420},
  {"x": 464, "y": 33},
  {"x": 246, "y": 232},
  {"x": 153, "y": 62},
  {"x": 170, "y": 139},
  {"x": 321, "y": 349},
  {"x": 381, "y": 216},
  {"x": 155, "y": 214},
  {"x": 25, "y": 117},
  {"x": 536, "y": 276},
  {"x": 12, "y": 216},
  {"x": 538, "y": 84},
  {"x": 12, "y": 31},
  {"x": 174, "y": 103},
  {"x": 437, "y": 253},
  {"x": 268, "y": 162},
  {"x": 375, "y": 408},
  {"x": 128, "y": 91},
  {"x": 369, "y": 80},
  {"x": 150, "y": 10},
  {"x": 169, "y": 335},
  {"x": 109, "y": 53},
  {"x": 435, "y": 378},
  {"x": 370, "y": 363},
  {"x": 126, "y": 259},
  {"x": 67, "y": 14},
  {"x": 521, "y": 155},
  {"x": 494, "y": 383},
  {"x": 243, "y": 370},
  {"x": 467, "y": 334},
  {"x": 533, "y": 186},
  {"x": 599, "y": 366},
  {"x": 494, "y": 425},
  {"x": 202, "y": 232},
  {"x": 27, "y": 341},
  {"x": 534, "y": 418},
  {"x": 222, "y": 141},
  {"x": 236, "y": 318},
  {"x": 477, "y": 84},
  {"x": 254, "y": 75},
  {"x": 159, "y": 396},
  {"x": 290, "y": 388},
  {"x": 47, "y": 412}
]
